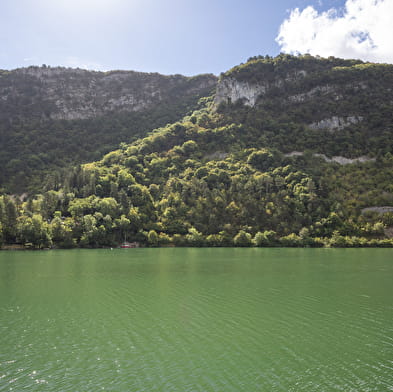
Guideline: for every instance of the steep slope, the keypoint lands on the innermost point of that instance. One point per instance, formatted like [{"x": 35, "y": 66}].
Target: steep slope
[
  {"x": 254, "y": 166},
  {"x": 51, "y": 117},
  {"x": 331, "y": 106}
]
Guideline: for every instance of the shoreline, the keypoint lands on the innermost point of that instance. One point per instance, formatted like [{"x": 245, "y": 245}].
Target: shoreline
[{"x": 389, "y": 245}]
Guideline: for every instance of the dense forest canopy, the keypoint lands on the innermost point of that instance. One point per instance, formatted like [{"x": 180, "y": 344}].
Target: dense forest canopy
[
  {"x": 298, "y": 165},
  {"x": 52, "y": 118}
]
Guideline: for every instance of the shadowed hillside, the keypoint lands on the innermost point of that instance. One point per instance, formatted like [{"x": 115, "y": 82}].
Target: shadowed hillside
[
  {"x": 289, "y": 151},
  {"x": 53, "y": 117}
]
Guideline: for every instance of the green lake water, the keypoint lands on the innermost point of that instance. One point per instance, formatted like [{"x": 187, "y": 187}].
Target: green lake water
[{"x": 197, "y": 320}]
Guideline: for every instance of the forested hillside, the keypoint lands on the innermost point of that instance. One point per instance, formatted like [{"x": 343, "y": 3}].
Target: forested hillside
[
  {"x": 56, "y": 117},
  {"x": 289, "y": 151}
]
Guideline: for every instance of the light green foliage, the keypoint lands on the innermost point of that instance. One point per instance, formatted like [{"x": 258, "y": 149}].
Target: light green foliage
[
  {"x": 34, "y": 143},
  {"x": 125, "y": 178},
  {"x": 221, "y": 177},
  {"x": 267, "y": 238},
  {"x": 8, "y": 218},
  {"x": 291, "y": 240},
  {"x": 263, "y": 160},
  {"x": 242, "y": 238},
  {"x": 34, "y": 230},
  {"x": 79, "y": 207},
  {"x": 152, "y": 238},
  {"x": 108, "y": 206},
  {"x": 219, "y": 240},
  {"x": 164, "y": 239},
  {"x": 194, "y": 237},
  {"x": 93, "y": 233},
  {"x": 61, "y": 231}
]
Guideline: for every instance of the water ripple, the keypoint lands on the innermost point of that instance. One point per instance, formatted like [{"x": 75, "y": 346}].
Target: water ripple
[{"x": 197, "y": 320}]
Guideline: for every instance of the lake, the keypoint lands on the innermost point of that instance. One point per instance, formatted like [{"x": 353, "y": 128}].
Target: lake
[{"x": 183, "y": 319}]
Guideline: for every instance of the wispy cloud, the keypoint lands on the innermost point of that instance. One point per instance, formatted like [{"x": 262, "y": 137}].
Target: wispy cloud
[
  {"x": 76, "y": 62},
  {"x": 363, "y": 29},
  {"x": 31, "y": 60}
]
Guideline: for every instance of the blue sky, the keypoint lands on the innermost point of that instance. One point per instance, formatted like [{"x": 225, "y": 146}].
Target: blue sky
[{"x": 171, "y": 36}]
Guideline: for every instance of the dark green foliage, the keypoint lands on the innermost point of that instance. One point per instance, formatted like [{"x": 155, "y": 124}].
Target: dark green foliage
[
  {"x": 223, "y": 177},
  {"x": 243, "y": 239},
  {"x": 34, "y": 230},
  {"x": 1, "y": 235},
  {"x": 37, "y": 136}
]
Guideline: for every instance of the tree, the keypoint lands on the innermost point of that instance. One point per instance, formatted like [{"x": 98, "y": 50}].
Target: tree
[
  {"x": 90, "y": 231},
  {"x": 152, "y": 238},
  {"x": 243, "y": 239},
  {"x": 135, "y": 219},
  {"x": 267, "y": 238},
  {"x": 61, "y": 231},
  {"x": 262, "y": 160},
  {"x": 9, "y": 213},
  {"x": 164, "y": 239},
  {"x": 108, "y": 206},
  {"x": 194, "y": 237},
  {"x": 1, "y": 235},
  {"x": 125, "y": 179},
  {"x": 34, "y": 230},
  {"x": 337, "y": 240},
  {"x": 50, "y": 203},
  {"x": 220, "y": 239},
  {"x": 291, "y": 240},
  {"x": 123, "y": 226},
  {"x": 79, "y": 207}
]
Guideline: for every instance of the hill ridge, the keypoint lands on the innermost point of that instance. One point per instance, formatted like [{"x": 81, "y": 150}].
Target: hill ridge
[{"x": 226, "y": 173}]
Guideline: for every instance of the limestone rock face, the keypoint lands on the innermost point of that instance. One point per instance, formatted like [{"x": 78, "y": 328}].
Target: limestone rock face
[
  {"x": 310, "y": 94},
  {"x": 345, "y": 161},
  {"x": 335, "y": 123},
  {"x": 336, "y": 159},
  {"x": 70, "y": 94},
  {"x": 230, "y": 90},
  {"x": 378, "y": 210}
]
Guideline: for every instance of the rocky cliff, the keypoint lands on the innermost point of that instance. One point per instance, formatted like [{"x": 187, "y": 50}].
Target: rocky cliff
[
  {"x": 53, "y": 117},
  {"x": 230, "y": 89},
  {"x": 69, "y": 94},
  {"x": 322, "y": 95}
]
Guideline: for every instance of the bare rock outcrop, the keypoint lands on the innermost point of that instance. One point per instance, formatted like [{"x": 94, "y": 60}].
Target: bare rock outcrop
[
  {"x": 336, "y": 159},
  {"x": 230, "y": 90},
  {"x": 378, "y": 210},
  {"x": 70, "y": 94},
  {"x": 335, "y": 123}
]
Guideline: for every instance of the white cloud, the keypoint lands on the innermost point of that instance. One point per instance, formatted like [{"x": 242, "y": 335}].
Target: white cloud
[
  {"x": 362, "y": 30},
  {"x": 31, "y": 60},
  {"x": 76, "y": 62}
]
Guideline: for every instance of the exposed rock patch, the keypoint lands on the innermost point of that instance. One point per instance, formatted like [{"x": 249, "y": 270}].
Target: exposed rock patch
[
  {"x": 217, "y": 155},
  {"x": 324, "y": 90},
  {"x": 230, "y": 90},
  {"x": 337, "y": 159},
  {"x": 345, "y": 161},
  {"x": 328, "y": 89},
  {"x": 69, "y": 94},
  {"x": 294, "y": 154},
  {"x": 335, "y": 123},
  {"x": 378, "y": 210}
]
